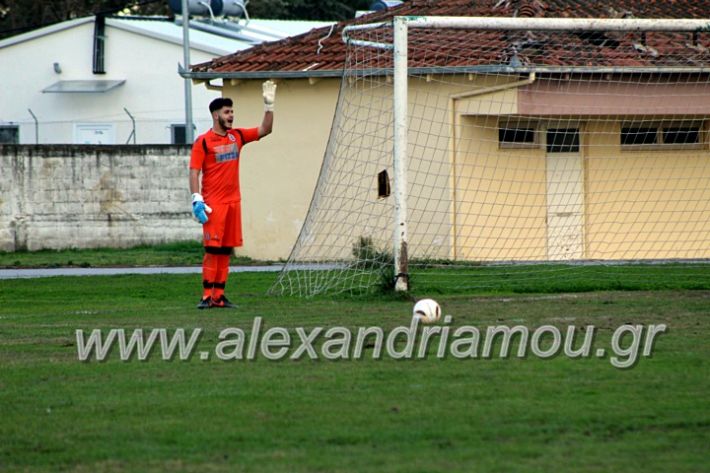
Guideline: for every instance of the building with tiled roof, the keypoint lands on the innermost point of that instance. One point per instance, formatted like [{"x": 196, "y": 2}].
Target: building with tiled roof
[
  {"x": 321, "y": 52},
  {"x": 280, "y": 175}
]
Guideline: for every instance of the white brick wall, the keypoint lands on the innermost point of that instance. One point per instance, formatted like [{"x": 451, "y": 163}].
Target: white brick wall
[{"x": 73, "y": 196}]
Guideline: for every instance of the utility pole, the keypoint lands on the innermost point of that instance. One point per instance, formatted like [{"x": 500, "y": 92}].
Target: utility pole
[{"x": 189, "y": 132}]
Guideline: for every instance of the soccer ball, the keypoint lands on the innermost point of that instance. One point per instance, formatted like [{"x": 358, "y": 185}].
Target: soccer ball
[{"x": 427, "y": 310}]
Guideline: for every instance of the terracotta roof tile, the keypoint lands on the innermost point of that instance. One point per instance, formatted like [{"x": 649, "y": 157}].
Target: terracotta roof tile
[{"x": 322, "y": 50}]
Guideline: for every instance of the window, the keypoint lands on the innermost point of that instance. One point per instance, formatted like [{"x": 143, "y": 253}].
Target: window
[
  {"x": 563, "y": 140},
  {"x": 639, "y": 136},
  {"x": 689, "y": 136},
  {"x": 659, "y": 136},
  {"x": 177, "y": 134},
  {"x": 9, "y": 134},
  {"x": 512, "y": 134}
]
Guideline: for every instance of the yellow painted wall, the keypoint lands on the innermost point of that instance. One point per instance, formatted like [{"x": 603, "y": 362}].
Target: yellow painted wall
[
  {"x": 500, "y": 194},
  {"x": 429, "y": 206},
  {"x": 501, "y": 197},
  {"x": 279, "y": 173},
  {"x": 638, "y": 204},
  {"x": 645, "y": 204}
]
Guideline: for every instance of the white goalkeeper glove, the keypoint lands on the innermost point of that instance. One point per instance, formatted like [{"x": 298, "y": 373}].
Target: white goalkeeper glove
[
  {"x": 269, "y": 93},
  {"x": 199, "y": 208}
]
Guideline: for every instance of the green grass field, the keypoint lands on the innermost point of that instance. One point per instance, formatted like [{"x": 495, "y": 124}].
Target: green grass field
[
  {"x": 184, "y": 253},
  {"x": 488, "y": 415}
]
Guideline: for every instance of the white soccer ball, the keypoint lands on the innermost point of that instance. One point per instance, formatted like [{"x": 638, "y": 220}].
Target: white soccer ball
[{"x": 427, "y": 310}]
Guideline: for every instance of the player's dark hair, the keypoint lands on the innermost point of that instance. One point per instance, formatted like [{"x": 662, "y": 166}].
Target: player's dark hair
[{"x": 220, "y": 102}]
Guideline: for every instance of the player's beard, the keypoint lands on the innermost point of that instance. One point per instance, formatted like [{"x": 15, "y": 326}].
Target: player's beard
[{"x": 224, "y": 123}]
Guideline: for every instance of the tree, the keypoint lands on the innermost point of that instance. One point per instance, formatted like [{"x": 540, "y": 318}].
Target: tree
[
  {"x": 17, "y": 16},
  {"x": 306, "y": 9}
]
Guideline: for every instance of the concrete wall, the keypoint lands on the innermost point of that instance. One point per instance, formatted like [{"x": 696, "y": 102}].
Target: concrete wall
[{"x": 93, "y": 196}]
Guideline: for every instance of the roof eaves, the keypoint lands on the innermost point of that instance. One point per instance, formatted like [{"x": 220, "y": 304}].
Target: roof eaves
[
  {"x": 47, "y": 30},
  {"x": 262, "y": 74},
  {"x": 126, "y": 26},
  {"x": 481, "y": 69}
]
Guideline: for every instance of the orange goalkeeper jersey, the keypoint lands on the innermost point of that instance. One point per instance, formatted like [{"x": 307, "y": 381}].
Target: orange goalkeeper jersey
[{"x": 218, "y": 158}]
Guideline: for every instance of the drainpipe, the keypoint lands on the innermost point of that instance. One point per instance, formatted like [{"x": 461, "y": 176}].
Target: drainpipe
[
  {"x": 452, "y": 134},
  {"x": 98, "y": 63}
]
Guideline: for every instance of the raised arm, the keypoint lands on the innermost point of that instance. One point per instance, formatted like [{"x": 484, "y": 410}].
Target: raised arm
[{"x": 269, "y": 94}]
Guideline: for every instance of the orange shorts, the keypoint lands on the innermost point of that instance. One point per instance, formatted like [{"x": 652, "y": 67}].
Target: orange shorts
[{"x": 224, "y": 225}]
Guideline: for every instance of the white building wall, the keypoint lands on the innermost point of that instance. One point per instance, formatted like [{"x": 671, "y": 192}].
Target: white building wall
[{"x": 153, "y": 91}]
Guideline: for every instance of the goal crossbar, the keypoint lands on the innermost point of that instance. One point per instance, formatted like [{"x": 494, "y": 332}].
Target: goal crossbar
[{"x": 535, "y": 24}]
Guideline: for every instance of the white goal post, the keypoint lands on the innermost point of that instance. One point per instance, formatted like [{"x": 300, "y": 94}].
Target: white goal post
[{"x": 382, "y": 60}]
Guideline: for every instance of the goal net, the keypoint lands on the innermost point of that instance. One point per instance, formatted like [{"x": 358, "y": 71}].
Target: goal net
[{"x": 531, "y": 156}]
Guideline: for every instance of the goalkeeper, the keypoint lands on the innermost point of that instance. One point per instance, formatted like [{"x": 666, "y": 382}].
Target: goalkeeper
[{"x": 216, "y": 203}]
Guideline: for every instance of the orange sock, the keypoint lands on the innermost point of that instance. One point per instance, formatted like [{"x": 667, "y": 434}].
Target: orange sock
[
  {"x": 209, "y": 274},
  {"x": 221, "y": 275}
]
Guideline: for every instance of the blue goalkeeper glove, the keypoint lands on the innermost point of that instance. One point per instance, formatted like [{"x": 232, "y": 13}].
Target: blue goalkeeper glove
[{"x": 200, "y": 209}]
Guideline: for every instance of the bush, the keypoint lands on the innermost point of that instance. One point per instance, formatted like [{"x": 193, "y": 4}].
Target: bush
[{"x": 369, "y": 256}]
